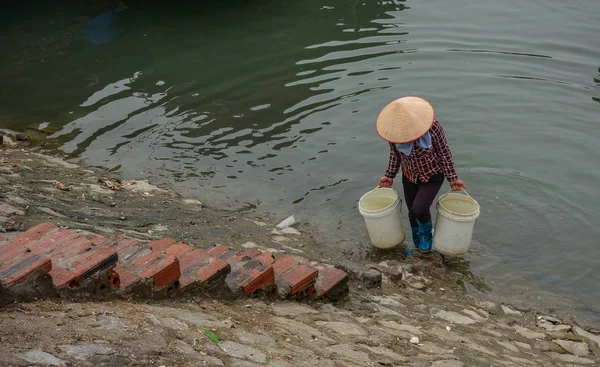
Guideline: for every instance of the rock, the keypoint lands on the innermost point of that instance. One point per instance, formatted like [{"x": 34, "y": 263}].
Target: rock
[
  {"x": 447, "y": 363},
  {"x": 7, "y": 142},
  {"x": 509, "y": 311},
  {"x": 446, "y": 336},
  {"x": 575, "y": 348},
  {"x": 431, "y": 348},
  {"x": 280, "y": 364},
  {"x": 192, "y": 202},
  {"x": 249, "y": 245},
  {"x": 508, "y": 345},
  {"x": 402, "y": 327},
  {"x": 240, "y": 363},
  {"x": 50, "y": 212},
  {"x": 251, "y": 338},
  {"x": 363, "y": 320},
  {"x": 474, "y": 315},
  {"x": 393, "y": 269},
  {"x": 553, "y": 327},
  {"x": 183, "y": 347},
  {"x": 389, "y": 312},
  {"x": 522, "y": 345},
  {"x": 109, "y": 323},
  {"x": 370, "y": 278},
  {"x": 570, "y": 358},
  {"x": 386, "y": 352},
  {"x": 13, "y": 135},
  {"x": 551, "y": 319},
  {"x": 414, "y": 340},
  {"x": 454, "y": 317},
  {"x": 85, "y": 351},
  {"x": 494, "y": 333},
  {"x": 291, "y": 230},
  {"x": 10, "y": 225},
  {"x": 174, "y": 324},
  {"x": 292, "y": 309},
  {"x": 546, "y": 346},
  {"x": 209, "y": 361},
  {"x": 528, "y": 333},
  {"x": 415, "y": 285},
  {"x": 343, "y": 328},
  {"x": 521, "y": 361},
  {"x": 592, "y": 337},
  {"x": 143, "y": 186},
  {"x": 301, "y": 330},
  {"x": 385, "y": 301},
  {"x": 348, "y": 352},
  {"x": 480, "y": 349},
  {"x": 7, "y": 210},
  {"x": 196, "y": 318},
  {"x": 38, "y": 357},
  {"x": 242, "y": 351}
]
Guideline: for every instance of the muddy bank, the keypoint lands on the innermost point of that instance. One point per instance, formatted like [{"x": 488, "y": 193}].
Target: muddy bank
[{"x": 39, "y": 188}]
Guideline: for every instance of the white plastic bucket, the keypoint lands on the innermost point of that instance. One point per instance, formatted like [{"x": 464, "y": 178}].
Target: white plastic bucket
[
  {"x": 382, "y": 210},
  {"x": 456, "y": 217}
]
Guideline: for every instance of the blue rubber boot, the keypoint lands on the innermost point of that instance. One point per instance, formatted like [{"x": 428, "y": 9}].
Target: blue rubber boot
[
  {"x": 416, "y": 236},
  {"x": 426, "y": 236},
  {"x": 416, "y": 240}
]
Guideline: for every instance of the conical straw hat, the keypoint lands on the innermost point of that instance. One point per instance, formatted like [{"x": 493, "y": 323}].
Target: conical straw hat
[{"x": 405, "y": 119}]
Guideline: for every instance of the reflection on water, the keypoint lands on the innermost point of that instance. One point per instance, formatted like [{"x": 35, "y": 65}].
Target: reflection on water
[{"x": 273, "y": 103}]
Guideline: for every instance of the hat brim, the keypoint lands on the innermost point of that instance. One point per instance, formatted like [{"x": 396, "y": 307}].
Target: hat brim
[{"x": 405, "y": 119}]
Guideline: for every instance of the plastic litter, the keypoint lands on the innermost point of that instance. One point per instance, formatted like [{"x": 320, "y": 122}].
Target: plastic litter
[{"x": 288, "y": 222}]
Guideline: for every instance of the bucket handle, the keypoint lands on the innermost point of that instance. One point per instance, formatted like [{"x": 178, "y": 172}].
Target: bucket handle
[
  {"x": 393, "y": 189},
  {"x": 463, "y": 190}
]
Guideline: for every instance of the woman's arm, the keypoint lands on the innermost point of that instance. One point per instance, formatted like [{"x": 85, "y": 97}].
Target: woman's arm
[
  {"x": 394, "y": 162},
  {"x": 442, "y": 152}
]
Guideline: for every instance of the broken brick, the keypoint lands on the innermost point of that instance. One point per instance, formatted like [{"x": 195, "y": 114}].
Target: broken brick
[
  {"x": 266, "y": 258},
  {"x": 231, "y": 257},
  {"x": 51, "y": 242},
  {"x": 250, "y": 276},
  {"x": 331, "y": 283},
  {"x": 178, "y": 249},
  {"x": 300, "y": 277},
  {"x": 34, "y": 234},
  {"x": 161, "y": 245},
  {"x": 215, "y": 250},
  {"x": 126, "y": 279},
  {"x": 198, "y": 268},
  {"x": 291, "y": 276},
  {"x": 250, "y": 253},
  {"x": 62, "y": 277},
  {"x": 23, "y": 268}
]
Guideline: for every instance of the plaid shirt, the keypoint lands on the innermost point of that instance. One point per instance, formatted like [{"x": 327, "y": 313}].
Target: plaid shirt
[{"x": 424, "y": 163}]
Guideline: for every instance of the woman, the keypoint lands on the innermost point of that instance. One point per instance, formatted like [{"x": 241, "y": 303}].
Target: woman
[{"x": 418, "y": 145}]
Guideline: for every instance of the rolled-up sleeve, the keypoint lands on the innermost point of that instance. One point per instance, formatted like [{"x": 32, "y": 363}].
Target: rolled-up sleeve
[
  {"x": 442, "y": 151},
  {"x": 394, "y": 163}
]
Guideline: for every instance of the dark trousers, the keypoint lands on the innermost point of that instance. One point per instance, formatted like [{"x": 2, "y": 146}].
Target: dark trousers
[{"x": 419, "y": 197}]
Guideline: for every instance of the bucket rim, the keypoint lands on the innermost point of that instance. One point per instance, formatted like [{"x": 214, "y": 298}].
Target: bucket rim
[
  {"x": 396, "y": 201},
  {"x": 465, "y": 197}
]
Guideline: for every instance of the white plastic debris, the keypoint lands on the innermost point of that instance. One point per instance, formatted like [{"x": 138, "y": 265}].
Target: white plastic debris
[
  {"x": 414, "y": 340},
  {"x": 289, "y": 221},
  {"x": 449, "y": 328}
]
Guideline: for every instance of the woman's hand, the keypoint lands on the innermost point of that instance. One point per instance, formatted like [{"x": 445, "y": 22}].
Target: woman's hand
[
  {"x": 457, "y": 185},
  {"x": 386, "y": 181}
]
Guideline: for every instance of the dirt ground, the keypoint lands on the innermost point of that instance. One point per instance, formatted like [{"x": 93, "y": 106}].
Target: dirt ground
[{"x": 390, "y": 303}]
